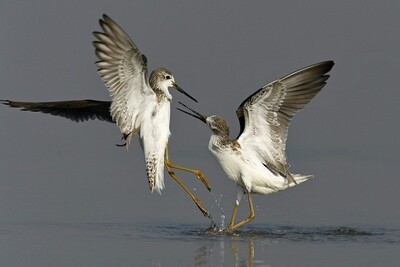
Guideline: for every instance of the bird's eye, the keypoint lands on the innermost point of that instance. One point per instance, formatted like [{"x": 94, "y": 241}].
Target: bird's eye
[{"x": 168, "y": 77}]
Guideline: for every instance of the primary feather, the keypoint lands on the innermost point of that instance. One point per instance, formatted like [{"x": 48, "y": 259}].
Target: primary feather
[{"x": 265, "y": 115}]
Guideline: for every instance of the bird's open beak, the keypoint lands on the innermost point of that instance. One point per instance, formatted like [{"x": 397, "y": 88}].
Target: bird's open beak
[
  {"x": 183, "y": 92},
  {"x": 194, "y": 114}
]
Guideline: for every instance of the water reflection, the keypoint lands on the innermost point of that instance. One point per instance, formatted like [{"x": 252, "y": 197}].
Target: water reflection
[
  {"x": 236, "y": 255},
  {"x": 251, "y": 246},
  {"x": 232, "y": 251}
]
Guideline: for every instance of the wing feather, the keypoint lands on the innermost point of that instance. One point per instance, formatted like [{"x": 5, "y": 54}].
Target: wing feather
[
  {"x": 265, "y": 115},
  {"x": 76, "y": 110},
  {"x": 124, "y": 71}
]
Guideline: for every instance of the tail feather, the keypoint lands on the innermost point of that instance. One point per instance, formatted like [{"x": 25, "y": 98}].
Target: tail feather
[
  {"x": 299, "y": 178},
  {"x": 155, "y": 173}
]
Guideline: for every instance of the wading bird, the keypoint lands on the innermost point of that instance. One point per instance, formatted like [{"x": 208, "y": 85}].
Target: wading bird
[
  {"x": 138, "y": 106},
  {"x": 256, "y": 159}
]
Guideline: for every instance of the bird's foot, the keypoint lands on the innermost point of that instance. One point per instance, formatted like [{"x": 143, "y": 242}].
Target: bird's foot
[
  {"x": 121, "y": 145},
  {"x": 203, "y": 179},
  {"x": 203, "y": 209},
  {"x": 213, "y": 229}
]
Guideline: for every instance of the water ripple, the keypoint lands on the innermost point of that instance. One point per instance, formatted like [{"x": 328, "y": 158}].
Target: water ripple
[
  {"x": 196, "y": 232},
  {"x": 273, "y": 232}
]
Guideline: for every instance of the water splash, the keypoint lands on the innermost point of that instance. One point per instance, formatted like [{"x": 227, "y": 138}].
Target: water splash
[
  {"x": 220, "y": 208},
  {"x": 222, "y": 220}
]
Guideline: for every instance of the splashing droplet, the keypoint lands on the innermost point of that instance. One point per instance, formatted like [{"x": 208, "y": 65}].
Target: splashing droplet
[{"x": 222, "y": 220}]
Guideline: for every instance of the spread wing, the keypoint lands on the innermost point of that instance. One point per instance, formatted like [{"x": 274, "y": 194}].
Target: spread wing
[
  {"x": 76, "y": 110},
  {"x": 265, "y": 115},
  {"x": 124, "y": 71}
]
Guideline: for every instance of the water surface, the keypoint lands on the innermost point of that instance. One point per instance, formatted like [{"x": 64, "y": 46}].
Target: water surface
[{"x": 168, "y": 244}]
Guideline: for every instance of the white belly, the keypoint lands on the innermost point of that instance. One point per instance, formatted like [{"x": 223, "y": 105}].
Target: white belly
[
  {"x": 250, "y": 174},
  {"x": 154, "y": 130},
  {"x": 154, "y": 134}
]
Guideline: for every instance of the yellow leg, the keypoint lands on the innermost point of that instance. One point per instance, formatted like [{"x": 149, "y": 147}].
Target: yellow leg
[
  {"x": 198, "y": 173},
  {"x": 232, "y": 226},
  {"x": 234, "y": 212},
  {"x": 194, "y": 198}
]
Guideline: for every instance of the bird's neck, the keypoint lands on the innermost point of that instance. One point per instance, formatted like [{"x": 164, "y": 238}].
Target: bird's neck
[
  {"x": 162, "y": 94},
  {"x": 219, "y": 141}
]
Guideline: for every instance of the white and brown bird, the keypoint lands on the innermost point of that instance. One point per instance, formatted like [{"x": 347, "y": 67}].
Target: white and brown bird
[
  {"x": 256, "y": 160},
  {"x": 139, "y": 105}
]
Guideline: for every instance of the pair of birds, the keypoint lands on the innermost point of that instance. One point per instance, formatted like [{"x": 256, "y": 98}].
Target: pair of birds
[{"x": 255, "y": 160}]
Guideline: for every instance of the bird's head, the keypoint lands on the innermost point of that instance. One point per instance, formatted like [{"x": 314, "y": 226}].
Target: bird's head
[
  {"x": 217, "y": 124},
  {"x": 162, "y": 79}
]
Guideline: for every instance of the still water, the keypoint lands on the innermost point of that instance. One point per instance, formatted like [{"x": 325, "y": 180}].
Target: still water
[{"x": 168, "y": 244}]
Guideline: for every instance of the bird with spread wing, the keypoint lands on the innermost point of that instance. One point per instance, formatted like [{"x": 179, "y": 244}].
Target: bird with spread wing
[
  {"x": 139, "y": 105},
  {"x": 256, "y": 159}
]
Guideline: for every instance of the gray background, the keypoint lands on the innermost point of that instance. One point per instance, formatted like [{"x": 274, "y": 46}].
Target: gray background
[{"x": 55, "y": 170}]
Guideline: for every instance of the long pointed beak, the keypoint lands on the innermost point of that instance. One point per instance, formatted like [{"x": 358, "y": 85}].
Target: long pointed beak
[
  {"x": 183, "y": 92},
  {"x": 195, "y": 114}
]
